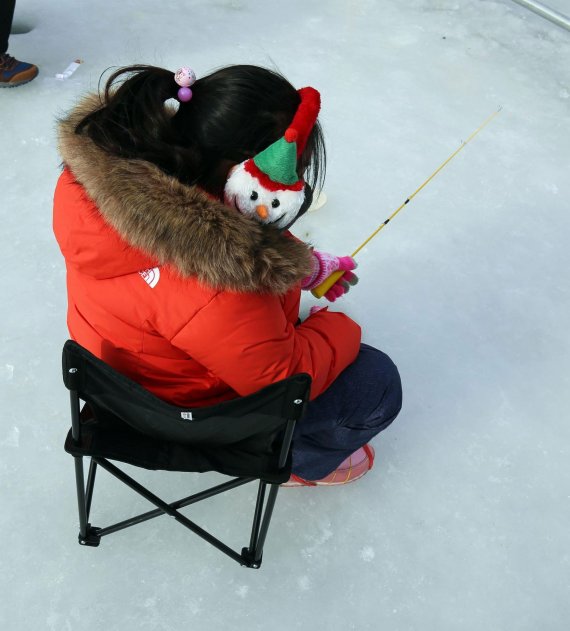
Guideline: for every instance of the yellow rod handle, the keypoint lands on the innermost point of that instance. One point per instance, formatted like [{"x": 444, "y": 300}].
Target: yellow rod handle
[{"x": 320, "y": 290}]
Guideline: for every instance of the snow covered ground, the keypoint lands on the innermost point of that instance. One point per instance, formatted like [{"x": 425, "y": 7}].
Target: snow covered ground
[{"x": 464, "y": 523}]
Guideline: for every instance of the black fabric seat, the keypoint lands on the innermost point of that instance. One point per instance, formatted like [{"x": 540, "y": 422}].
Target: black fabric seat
[{"x": 248, "y": 438}]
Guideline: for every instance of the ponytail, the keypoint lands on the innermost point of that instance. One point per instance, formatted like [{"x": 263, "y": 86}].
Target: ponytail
[{"x": 135, "y": 122}]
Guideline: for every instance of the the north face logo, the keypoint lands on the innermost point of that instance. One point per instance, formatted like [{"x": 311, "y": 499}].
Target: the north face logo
[
  {"x": 151, "y": 276},
  {"x": 187, "y": 416}
]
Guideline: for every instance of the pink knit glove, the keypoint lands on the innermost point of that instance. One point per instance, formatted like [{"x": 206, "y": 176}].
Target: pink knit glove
[{"x": 324, "y": 265}]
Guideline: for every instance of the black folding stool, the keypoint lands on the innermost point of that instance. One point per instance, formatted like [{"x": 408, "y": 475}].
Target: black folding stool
[{"x": 248, "y": 438}]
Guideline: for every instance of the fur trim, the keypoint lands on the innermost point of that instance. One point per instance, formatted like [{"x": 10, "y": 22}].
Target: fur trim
[{"x": 181, "y": 225}]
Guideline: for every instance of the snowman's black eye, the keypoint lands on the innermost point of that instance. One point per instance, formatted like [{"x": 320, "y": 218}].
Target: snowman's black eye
[
  {"x": 253, "y": 195},
  {"x": 275, "y": 203}
]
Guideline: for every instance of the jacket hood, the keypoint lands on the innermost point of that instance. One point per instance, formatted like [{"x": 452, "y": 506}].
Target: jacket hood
[{"x": 159, "y": 220}]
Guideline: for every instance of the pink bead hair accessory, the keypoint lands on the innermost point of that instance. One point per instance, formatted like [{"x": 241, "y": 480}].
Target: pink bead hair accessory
[{"x": 184, "y": 77}]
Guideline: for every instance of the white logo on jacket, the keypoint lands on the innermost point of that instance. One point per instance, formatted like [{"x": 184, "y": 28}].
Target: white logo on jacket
[{"x": 150, "y": 276}]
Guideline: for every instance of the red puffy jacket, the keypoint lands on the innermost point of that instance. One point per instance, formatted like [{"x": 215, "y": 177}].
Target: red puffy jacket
[{"x": 184, "y": 295}]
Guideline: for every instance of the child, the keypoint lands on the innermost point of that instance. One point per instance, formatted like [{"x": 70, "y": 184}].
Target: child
[{"x": 193, "y": 299}]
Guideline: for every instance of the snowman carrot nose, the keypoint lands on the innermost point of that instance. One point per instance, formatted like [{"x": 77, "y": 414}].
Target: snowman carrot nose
[{"x": 261, "y": 210}]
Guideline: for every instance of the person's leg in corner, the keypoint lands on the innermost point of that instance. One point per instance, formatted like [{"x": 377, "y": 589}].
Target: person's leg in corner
[
  {"x": 12, "y": 72},
  {"x": 365, "y": 398},
  {"x": 6, "y": 17}
]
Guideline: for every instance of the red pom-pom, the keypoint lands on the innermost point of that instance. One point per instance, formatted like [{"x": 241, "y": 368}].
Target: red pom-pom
[
  {"x": 306, "y": 115},
  {"x": 291, "y": 135}
]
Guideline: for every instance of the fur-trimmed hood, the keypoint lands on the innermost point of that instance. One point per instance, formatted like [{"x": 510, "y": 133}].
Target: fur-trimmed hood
[{"x": 178, "y": 225}]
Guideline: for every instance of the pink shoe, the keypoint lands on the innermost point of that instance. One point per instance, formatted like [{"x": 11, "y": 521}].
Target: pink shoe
[{"x": 353, "y": 468}]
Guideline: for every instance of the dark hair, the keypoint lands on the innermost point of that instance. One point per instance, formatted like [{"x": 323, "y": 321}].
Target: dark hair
[{"x": 234, "y": 113}]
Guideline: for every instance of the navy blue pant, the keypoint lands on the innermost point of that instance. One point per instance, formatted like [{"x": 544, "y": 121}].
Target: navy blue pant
[{"x": 364, "y": 399}]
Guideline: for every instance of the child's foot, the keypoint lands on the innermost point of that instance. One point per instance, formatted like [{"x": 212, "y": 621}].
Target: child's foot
[
  {"x": 353, "y": 468},
  {"x": 14, "y": 72}
]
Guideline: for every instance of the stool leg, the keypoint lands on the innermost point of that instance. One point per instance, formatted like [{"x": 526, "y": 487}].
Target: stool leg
[
  {"x": 80, "y": 484},
  {"x": 257, "y": 517},
  {"x": 90, "y": 485},
  {"x": 255, "y": 550},
  {"x": 258, "y": 551}
]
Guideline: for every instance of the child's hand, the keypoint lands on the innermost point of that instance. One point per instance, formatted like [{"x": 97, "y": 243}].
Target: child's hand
[
  {"x": 324, "y": 265},
  {"x": 344, "y": 283}
]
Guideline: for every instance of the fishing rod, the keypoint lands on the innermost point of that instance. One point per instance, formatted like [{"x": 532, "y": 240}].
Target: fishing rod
[{"x": 322, "y": 289}]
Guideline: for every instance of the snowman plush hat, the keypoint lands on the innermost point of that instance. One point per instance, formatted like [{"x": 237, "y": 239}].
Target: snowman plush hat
[{"x": 267, "y": 187}]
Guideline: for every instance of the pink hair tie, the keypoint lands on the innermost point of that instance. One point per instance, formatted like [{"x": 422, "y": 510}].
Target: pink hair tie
[{"x": 184, "y": 77}]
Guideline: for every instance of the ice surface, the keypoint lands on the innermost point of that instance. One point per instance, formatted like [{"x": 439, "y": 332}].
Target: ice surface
[{"x": 464, "y": 522}]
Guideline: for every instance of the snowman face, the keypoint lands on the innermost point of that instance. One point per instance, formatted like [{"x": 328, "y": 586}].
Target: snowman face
[{"x": 252, "y": 199}]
